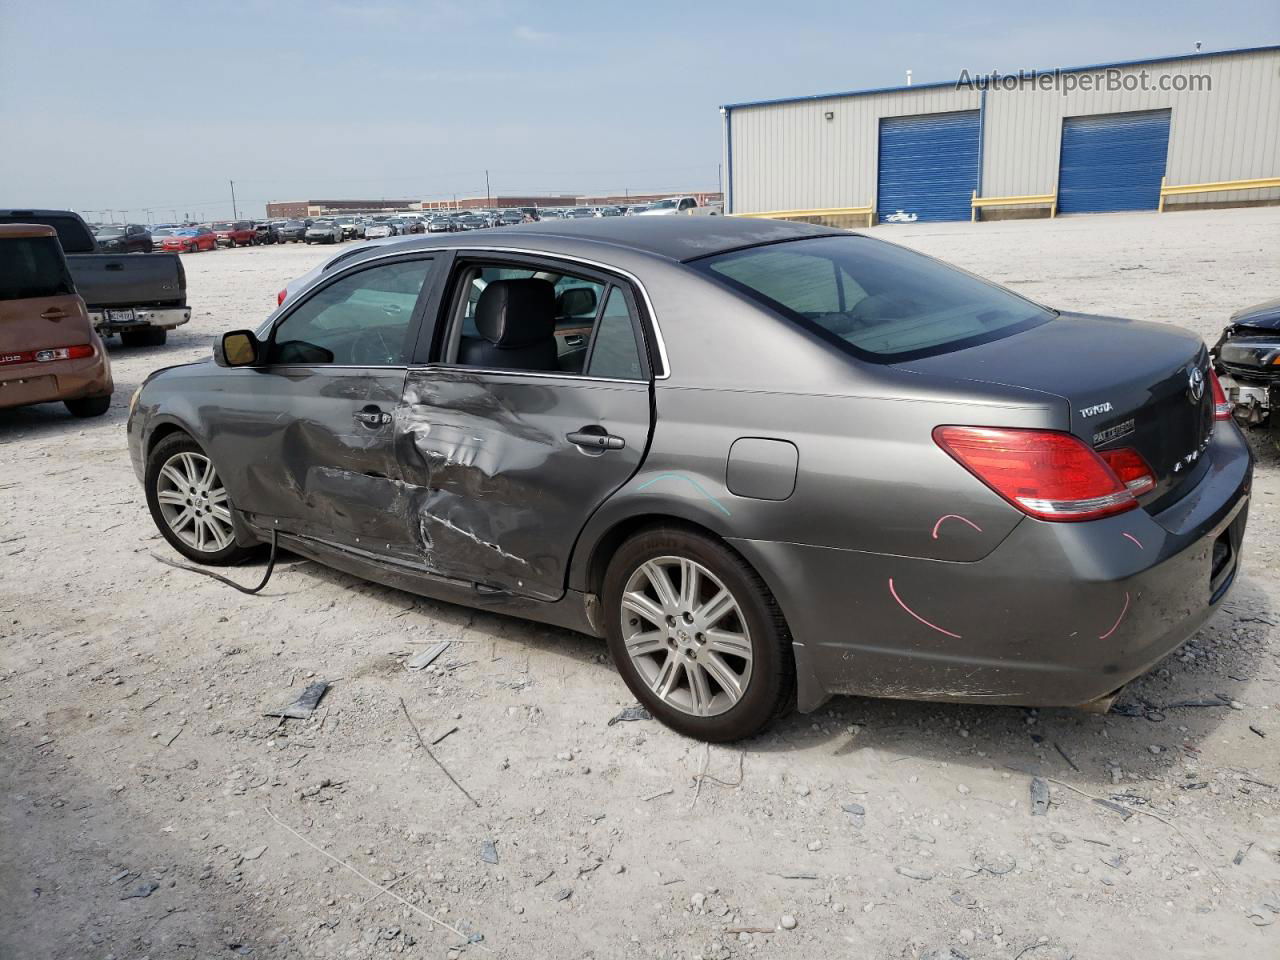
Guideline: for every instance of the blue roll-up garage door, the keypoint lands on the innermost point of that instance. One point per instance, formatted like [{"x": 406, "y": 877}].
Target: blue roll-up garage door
[
  {"x": 928, "y": 167},
  {"x": 1112, "y": 162}
]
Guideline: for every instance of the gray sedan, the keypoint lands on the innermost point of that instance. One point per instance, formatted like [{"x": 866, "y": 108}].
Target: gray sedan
[{"x": 767, "y": 462}]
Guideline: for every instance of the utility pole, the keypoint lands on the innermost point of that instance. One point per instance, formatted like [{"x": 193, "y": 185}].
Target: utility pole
[
  {"x": 720, "y": 179},
  {"x": 488, "y": 196},
  {"x": 235, "y": 214}
]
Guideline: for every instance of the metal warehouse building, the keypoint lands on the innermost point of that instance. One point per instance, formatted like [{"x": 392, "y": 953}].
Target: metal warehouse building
[{"x": 1141, "y": 135}]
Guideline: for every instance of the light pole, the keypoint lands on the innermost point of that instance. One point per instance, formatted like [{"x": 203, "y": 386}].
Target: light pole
[{"x": 235, "y": 215}]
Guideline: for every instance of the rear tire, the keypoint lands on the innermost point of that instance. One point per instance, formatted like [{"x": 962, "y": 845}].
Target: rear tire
[
  {"x": 88, "y": 406},
  {"x": 711, "y": 676},
  {"x": 189, "y": 503}
]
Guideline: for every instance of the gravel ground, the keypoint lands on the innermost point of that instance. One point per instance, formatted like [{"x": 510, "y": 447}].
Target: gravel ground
[{"x": 148, "y": 809}]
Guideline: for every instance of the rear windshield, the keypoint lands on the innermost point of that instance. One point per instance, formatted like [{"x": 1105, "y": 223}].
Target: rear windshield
[
  {"x": 876, "y": 300},
  {"x": 33, "y": 267}
]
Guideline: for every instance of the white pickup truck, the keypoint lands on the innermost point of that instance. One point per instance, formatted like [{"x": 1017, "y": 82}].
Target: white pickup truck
[{"x": 681, "y": 205}]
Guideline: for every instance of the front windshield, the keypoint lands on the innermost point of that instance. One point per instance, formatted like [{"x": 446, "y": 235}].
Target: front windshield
[
  {"x": 108, "y": 232},
  {"x": 662, "y": 205},
  {"x": 877, "y": 300},
  {"x": 162, "y": 232},
  {"x": 222, "y": 226}
]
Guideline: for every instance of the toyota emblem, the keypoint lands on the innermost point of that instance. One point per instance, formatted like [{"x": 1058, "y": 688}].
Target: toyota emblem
[{"x": 1195, "y": 384}]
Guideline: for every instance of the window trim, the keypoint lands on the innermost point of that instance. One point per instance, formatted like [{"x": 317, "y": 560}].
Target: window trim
[
  {"x": 426, "y": 296},
  {"x": 609, "y": 277}
]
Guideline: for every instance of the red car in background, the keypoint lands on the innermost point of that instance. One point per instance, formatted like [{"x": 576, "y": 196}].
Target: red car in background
[
  {"x": 238, "y": 233},
  {"x": 190, "y": 240}
]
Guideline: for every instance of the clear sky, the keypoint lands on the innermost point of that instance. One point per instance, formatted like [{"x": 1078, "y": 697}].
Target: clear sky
[{"x": 133, "y": 104}]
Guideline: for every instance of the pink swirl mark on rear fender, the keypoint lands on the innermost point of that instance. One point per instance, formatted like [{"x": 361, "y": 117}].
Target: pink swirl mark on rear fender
[
  {"x": 953, "y": 516},
  {"x": 931, "y": 626},
  {"x": 1130, "y": 536},
  {"x": 1123, "y": 611}
]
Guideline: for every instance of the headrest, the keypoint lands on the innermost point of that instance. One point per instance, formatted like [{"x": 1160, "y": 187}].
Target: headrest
[
  {"x": 576, "y": 302},
  {"x": 517, "y": 313}
]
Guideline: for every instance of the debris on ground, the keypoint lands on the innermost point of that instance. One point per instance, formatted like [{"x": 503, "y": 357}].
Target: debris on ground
[
  {"x": 1039, "y": 797},
  {"x": 489, "y": 852},
  {"x": 305, "y": 705},
  {"x": 141, "y": 890},
  {"x": 631, "y": 713},
  {"x": 427, "y": 656}
]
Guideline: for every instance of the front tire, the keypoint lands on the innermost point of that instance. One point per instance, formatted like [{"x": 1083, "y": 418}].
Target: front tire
[
  {"x": 189, "y": 503},
  {"x": 697, "y": 635}
]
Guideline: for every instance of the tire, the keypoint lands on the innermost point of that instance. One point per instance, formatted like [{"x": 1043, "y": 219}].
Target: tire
[
  {"x": 752, "y": 623},
  {"x": 175, "y": 472},
  {"x": 146, "y": 337},
  {"x": 88, "y": 406}
]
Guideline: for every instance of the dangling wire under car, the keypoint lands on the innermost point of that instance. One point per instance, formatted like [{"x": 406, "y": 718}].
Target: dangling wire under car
[{"x": 271, "y": 565}]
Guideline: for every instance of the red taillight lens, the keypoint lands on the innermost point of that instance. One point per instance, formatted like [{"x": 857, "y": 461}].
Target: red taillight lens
[
  {"x": 1221, "y": 405},
  {"x": 281, "y": 295},
  {"x": 1044, "y": 473},
  {"x": 1127, "y": 464},
  {"x": 78, "y": 352}
]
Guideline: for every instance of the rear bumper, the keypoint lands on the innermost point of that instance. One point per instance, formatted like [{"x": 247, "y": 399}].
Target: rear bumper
[
  {"x": 57, "y": 380},
  {"x": 166, "y": 317},
  {"x": 1058, "y": 615}
]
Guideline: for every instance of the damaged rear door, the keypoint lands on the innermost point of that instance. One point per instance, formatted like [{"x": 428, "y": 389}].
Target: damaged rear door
[
  {"x": 313, "y": 430},
  {"x": 517, "y": 429}
]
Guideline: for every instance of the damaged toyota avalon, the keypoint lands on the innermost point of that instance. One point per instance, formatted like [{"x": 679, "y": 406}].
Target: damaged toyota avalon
[{"x": 768, "y": 462}]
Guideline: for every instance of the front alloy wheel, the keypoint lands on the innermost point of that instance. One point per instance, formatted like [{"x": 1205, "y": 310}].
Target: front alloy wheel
[
  {"x": 193, "y": 502},
  {"x": 189, "y": 502}
]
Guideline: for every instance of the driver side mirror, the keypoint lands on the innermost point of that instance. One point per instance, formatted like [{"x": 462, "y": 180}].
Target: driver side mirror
[{"x": 239, "y": 348}]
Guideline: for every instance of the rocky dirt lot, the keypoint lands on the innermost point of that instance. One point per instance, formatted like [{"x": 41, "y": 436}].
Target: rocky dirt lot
[{"x": 148, "y": 809}]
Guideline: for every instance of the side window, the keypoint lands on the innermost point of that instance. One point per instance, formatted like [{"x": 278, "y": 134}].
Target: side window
[
  {"x": 361, "y": 320},
  {"x": 614, "y": 351},
  {"x": 524, "y": 318}
]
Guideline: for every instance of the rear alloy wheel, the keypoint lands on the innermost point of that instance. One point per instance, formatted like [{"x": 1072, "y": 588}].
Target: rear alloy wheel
[
  {"x": 697, "y": 636},
  {"x": 189, "y": 502}
]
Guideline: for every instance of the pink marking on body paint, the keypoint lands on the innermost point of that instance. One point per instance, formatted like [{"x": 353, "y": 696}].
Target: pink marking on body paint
[
  {"x": 953, "y": 516},
  {"x": 932, "y": 626},
  {"x": 1123, "y": 611},
  {"x": 1130, "y": 536}
]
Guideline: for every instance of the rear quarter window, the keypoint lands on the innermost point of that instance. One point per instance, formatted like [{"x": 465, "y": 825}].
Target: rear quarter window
[{"x": 32, "y": 267}]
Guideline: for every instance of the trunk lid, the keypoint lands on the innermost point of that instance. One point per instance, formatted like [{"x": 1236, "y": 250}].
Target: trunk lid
[{"x": 1125, "y": 383}]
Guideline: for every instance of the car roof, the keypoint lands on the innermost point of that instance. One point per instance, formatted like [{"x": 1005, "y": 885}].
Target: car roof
[{"x": 673, "y": 238}]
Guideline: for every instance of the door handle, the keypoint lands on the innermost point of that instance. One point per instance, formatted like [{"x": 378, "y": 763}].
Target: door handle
[
  {"x": 595, "y": 440},
  {"x": 372, "y": 417},
  {"x": 114, "y": 266},
  {"x": 53, "y": 313}
]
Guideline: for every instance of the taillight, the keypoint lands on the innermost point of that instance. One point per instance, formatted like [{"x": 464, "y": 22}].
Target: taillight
[
  {"x": 281, "y": 295},
  {"x": 78, "y": 352},
  {"x": 1127, "y": 464},
  {"x": 1044, "y": 473},
  {"x": 1221, "y": 405}
]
